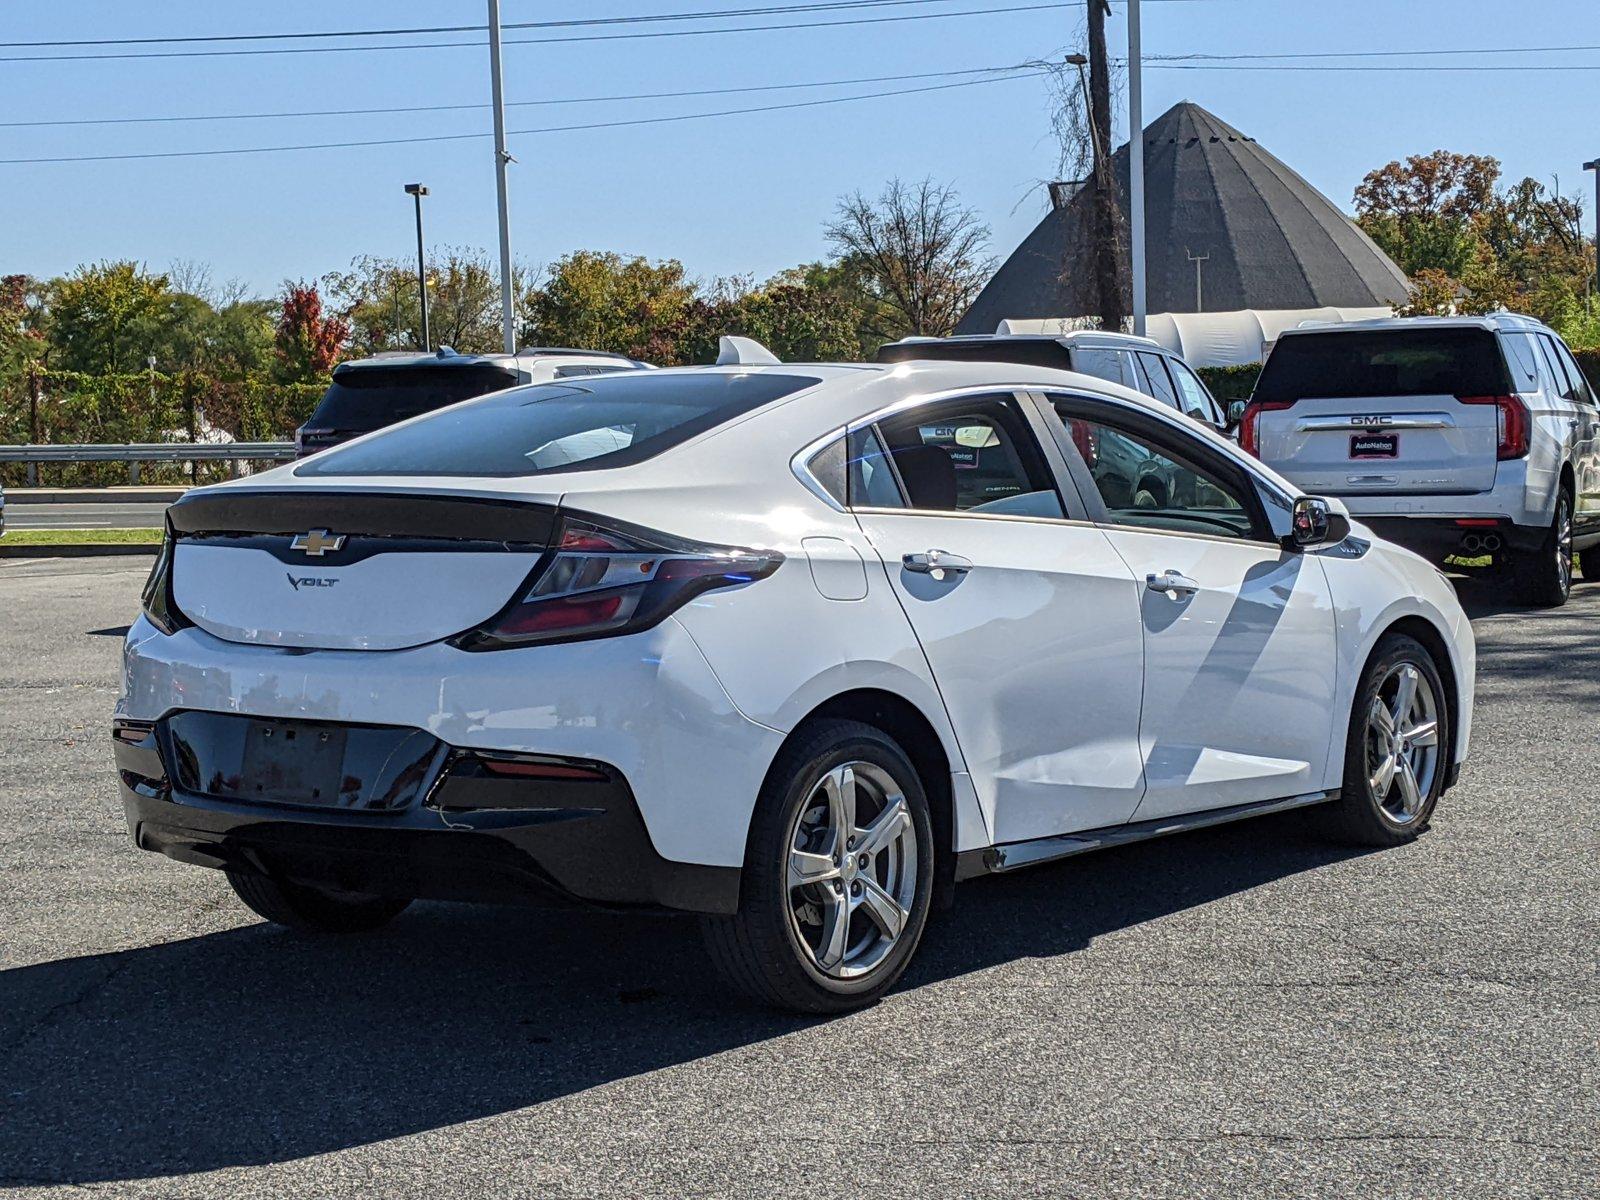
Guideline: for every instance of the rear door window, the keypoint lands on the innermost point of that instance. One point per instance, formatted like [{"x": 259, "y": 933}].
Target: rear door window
[
  {"x": 1582, "y": 392},
  {"x": 1197, "y": 401},
  {"x": 362, "y": 399},
  {"x": 1155, "y": 373},
  {"x": 1560, "y": 381},
  {"x": 589, "y": 424},
  {"x": 971, "y": 455},
  {"x": 1417, "y": 361},
  {"x": 1103, "y": 364}
]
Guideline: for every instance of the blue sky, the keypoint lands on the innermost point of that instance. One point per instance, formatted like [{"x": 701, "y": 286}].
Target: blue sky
[{"x": 745, "y": 194}]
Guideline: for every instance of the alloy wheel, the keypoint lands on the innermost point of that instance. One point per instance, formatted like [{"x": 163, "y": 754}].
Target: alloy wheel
[
  {"x": 1564, "y": 543},
  {"x": 852, "y": 877},
  {"x": 1403, "y": 742}
]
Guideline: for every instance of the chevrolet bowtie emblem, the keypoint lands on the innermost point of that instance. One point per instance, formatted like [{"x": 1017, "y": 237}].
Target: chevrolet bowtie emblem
[{"x": 317, "y": 542}]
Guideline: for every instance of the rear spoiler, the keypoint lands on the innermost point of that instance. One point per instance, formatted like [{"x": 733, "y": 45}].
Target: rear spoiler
[{"x": 293, "y": 511}]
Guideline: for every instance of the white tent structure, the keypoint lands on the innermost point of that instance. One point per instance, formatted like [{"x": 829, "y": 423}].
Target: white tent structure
[{"x": 1212, "y": 339}]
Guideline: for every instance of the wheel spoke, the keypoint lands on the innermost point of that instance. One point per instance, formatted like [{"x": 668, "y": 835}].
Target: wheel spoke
[
  {"x": 1423, "y": 733},
  {"x": 1410, "y": 793},
  {"x": 1380, "y": 721},
  {"x": 835, "y": 931},
  {"x": 1382, "y": 779},
  {"x": 806, "y": 867},
  {"x": 1405, "y": 695},
  {"x": 882, "y": 908},
  {"x": 839, "y": 785},
  {"x": 886, "y": 827}
]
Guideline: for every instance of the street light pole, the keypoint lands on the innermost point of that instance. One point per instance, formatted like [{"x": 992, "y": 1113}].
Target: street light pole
[
  {"x": 1594, "y": 165},
  {"x": 1136, "y": 168},
  {"x": 501, "y": 158},
  {"x": 416, "y": 191}
]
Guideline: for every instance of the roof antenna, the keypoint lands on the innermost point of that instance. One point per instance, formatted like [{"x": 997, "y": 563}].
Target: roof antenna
[{"x": 743, "y": 351}]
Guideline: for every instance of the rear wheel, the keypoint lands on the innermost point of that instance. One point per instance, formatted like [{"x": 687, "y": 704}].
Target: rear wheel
[
  {"x": 837, "y": 877},
  {"x": 1396, "y": 753},
  {"x": 1591, "y": 564},
  {"x": 310, "y": 909},
  {"x": 1543, "y": 576}
]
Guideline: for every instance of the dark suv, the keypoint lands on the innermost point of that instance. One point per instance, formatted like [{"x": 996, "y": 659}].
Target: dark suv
[{"x": 369, "y": 393}]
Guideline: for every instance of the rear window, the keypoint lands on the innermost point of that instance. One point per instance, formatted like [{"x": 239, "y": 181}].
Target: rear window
[
  {"x": 1390, "y": 362},
  {"x": 1034, "y": 352},
  {"x": 589, "y": 424},
  {"x": 369, "y": 398}
]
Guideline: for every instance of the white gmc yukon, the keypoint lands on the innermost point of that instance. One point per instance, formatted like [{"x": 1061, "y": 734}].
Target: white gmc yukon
[{"x": 1453, "y": 436}]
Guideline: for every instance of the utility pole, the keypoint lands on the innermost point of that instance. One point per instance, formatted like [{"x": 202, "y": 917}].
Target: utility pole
[
  {"x": 1594, "y": 165},
  {"x": 502, "y": 157},
  {"x": 1108, "y": 275},
  {"x": 1136, "y": 167},
  {"x": 1199, "y": 295},
  {"x": 416, "y": 191}
]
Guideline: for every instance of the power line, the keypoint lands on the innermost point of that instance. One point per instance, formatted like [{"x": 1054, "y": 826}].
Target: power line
[
  {"x": 458, "y": 137},
  {"x": 1170, "y": 66},
  {"x": 541, "y": 41},
  {"x": 1496, "y": 50},
  {"x": 422, "y": 108},
  {"x": 312, "y": 35}
]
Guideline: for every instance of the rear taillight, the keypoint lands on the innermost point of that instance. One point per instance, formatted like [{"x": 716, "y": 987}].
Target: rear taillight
[
  {"x": 1510, "y": 421},
  {"x": 1083, "y": 439},
  {"x": 156, "y": 600},
  {"x": 604, "y": 580},
  {"x": 1249, "y": 423}
]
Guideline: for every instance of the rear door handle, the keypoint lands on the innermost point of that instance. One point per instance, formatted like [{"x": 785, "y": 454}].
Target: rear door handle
[
  {"x": 1171, "y": 583},
  {"x": 936, "y": 562}
]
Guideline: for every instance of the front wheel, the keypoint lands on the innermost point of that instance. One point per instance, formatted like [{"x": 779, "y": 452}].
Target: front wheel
[
  {"x": 1543, "y": 576},
  {"x": 837, "y": 878},
  {"x": 311, "y": 909},
  {"x": 1397, "y": 749}
]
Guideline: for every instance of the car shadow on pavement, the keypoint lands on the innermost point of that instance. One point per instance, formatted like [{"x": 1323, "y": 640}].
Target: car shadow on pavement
[{"x": 256, "y": 1046}]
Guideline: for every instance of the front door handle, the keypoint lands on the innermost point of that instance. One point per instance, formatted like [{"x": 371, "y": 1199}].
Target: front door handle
[
  {"x": 936, "y": 562},
  {"x": 1171, "y": 583}
]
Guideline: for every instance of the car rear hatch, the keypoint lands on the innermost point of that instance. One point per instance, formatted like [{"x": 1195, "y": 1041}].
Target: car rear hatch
[
  {"x": 350, "y": 569},
  {"x": 1403, "y": 411}
]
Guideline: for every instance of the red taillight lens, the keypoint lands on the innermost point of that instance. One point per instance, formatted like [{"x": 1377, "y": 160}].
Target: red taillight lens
[
  {"x": 1083, "y": 439},
  {"x": 1250, "y": 423},
  {"x": 601, "y": 581},
  {"x": 1511, "y": 424}
]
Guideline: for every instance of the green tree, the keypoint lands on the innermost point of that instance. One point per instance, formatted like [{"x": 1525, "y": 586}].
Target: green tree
[
  {"x": 378, "y": 296},
  {"x": 603, "y": 301},
  {"x": 105, "y": 318}
]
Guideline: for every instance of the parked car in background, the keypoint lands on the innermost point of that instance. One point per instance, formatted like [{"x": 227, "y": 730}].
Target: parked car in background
[
  {"x": 544, "y": 646},
  {"x": 1142, "y": 364},
  {"x": 370, "y": 393},
  {"x": 1454, "y": 436}
]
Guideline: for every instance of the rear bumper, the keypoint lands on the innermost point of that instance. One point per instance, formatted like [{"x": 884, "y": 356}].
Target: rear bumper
[
  {"x": 1439, "y": 538},
  {"x": 457, "y": 836}
]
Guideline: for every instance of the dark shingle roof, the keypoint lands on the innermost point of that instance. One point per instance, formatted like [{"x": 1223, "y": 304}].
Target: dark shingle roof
[{"x": 1274, "y": 241}]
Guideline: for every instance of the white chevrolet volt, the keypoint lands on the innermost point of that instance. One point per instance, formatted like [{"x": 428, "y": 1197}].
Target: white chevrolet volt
[{"x": 792, "y": 646}]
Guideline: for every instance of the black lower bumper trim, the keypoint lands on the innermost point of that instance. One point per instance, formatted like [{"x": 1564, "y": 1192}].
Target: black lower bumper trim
[
  {"x": 1439, "y": 538},
  {"x": 466, "y": 838}
]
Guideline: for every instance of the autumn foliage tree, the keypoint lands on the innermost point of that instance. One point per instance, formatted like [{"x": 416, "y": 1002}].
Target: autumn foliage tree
[{"x": 307, "y": 342}]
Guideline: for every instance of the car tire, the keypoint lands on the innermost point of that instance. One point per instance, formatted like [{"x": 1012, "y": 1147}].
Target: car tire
[
  {"x": 1543, "y": 577},
  {"x": 309, "y": 909},
  {"x": 1377, "y": 806},
  {"x": 823, "y": 944},
  {"x": 1590, "y": 562}
]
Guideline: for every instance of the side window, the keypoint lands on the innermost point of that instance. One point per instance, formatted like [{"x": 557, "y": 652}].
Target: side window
[
  {"x": 1582, "y": 392},
  {"x": 1197, "y": 401},
  {"x": 1102, "y": 364},
  {"x": 976, "y": 455},
  {"x": 1148, "y": 483},
  {"x": 1558, "y": 375},
  {"x": 869, "y": 478},
  {"x": 1522, "y": 358},
  {"x": 1160, "y": 382},
  {"x": 587, "y": 369}
]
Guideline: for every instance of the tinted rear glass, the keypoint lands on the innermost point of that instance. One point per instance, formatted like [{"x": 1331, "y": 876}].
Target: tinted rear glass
[
  {"x": 1390, "y": 362},
  {"x": 588, "y": 424},
  {"x": 1043, "y": 352},
  {"x": 368, "y": 398}
]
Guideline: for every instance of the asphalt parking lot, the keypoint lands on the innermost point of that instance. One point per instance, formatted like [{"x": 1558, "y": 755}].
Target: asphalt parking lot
[{"x": 1244, "y": 1011}]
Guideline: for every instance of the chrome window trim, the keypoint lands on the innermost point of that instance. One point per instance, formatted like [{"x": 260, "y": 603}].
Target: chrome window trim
[
  {"x": 969, "y": 515},
  {"x": 800, "y": 465}
]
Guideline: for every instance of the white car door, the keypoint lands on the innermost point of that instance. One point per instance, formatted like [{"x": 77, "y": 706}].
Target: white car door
[
  {"x": 1239, "y": 633},
  {"x": 1028, "y": 617}
]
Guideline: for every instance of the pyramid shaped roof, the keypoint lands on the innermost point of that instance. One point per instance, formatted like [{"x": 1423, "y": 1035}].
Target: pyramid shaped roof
[{"x": 1273, "y": 240}]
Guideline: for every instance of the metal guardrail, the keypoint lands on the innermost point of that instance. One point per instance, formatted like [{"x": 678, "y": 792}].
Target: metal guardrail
[{"x": 142, "y": 452}]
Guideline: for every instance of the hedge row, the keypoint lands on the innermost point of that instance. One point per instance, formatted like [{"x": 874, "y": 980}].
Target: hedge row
[{"x": 73, "y": 408}]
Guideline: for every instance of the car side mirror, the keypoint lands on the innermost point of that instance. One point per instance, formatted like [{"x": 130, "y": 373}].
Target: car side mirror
[
  {"x": 1317, "y": 522},
  {"x": 1235, "y": 413}
]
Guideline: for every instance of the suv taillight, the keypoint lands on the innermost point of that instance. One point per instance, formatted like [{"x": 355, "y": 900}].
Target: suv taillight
[
  {"x": 1249, "y": 423},
  {"x": 602, "y": 580},
  {"x": 1510, "y": 421}
]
